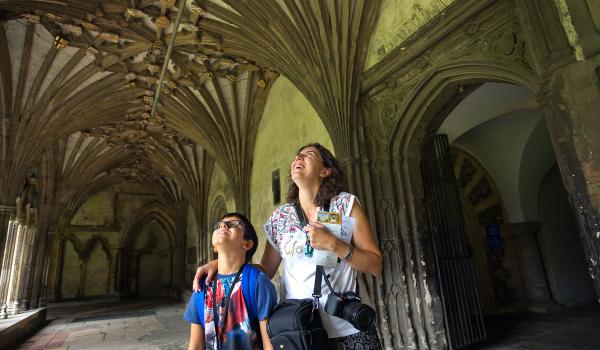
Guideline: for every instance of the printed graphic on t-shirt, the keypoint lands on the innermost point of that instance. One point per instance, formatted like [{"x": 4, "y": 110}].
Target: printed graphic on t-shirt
[
  {"x": 236, "y": 332},
  {"x": 239, "y": 331}
]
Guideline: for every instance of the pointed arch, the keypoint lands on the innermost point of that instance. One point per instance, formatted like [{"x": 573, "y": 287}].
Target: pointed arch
[
  {"x": 151, "y": 211},
  {"x": 441, "y": 89}
]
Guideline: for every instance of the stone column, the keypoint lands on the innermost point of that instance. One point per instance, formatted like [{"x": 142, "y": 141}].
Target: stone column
[
  {"x": 5, "y": 275},
  {"x": 114, "y": 270},
  {"x": 571, "y": 107},
  {"x": 535, "y": 281},
  {"x": 44, "y": 269},
  {"x": 5, "y": 213},
  {"x": 12, "y": 306},
  {"x": 31, "y": 232},
  {"x": 38, "y": 265},
  {"x": 54, "y": 269}
]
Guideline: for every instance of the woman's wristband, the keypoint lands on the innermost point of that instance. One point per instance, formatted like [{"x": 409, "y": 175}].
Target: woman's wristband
[{"x": 349, "y": 255}]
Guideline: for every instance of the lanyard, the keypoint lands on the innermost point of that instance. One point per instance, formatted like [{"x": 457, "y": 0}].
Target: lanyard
[
  {"x": 319, "y": 271},
  {"x": 227, "y": 299}
]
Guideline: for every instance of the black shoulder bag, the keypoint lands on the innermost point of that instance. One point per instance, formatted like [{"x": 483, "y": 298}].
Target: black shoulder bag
[{"x": 296, "y": 323}]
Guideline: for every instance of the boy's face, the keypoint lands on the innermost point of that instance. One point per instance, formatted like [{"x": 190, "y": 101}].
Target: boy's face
[{"x": 227, "y": 237}]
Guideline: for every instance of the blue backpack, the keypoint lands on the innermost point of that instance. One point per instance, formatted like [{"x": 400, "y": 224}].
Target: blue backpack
[{"x": 249, "y": 277}]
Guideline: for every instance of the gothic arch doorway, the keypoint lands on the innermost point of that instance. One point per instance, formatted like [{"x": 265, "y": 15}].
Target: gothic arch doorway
[
  {"x": 500, "y": 152},
  {"x": 153, "y": 258},
  {"x": 148, "y": 245},
  {"x": 494, "y": 257}
]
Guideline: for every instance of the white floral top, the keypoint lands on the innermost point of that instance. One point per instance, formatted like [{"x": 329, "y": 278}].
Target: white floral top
[{"x": 285, "y": 234}]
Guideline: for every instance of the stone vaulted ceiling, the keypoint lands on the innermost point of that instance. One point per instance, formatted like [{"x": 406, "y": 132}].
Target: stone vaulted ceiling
[{"x": 78, "y": 81}]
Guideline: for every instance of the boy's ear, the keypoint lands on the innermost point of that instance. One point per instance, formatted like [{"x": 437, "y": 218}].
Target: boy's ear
[{"x": 247, "y": 245}]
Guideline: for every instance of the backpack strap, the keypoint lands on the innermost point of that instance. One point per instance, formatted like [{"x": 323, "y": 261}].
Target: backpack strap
[
  {"x": 249, "y": 277},
  {"x": 200, "y": 302}
]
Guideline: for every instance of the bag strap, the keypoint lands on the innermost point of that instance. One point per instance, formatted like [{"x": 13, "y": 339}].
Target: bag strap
[
  {"x": 200, "y": 301},
  {"x": 250, "y": 274},
  {"x": 216, "y": 310}
]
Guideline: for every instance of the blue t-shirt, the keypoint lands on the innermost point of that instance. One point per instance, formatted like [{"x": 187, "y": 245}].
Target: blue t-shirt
[{"x": 238, "y": 332}]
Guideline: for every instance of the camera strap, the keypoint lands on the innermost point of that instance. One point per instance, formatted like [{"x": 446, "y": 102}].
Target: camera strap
[{"x": 319, "y": 271}]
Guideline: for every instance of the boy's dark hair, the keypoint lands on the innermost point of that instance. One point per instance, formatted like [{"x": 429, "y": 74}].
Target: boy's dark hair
[
  {"x": 249, "y": 232},
  {"x": 331, "y": 186}
]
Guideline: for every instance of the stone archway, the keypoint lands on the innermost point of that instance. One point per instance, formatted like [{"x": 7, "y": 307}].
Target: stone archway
[
  {"x": 417, "y": 117},
  {"x": 147, "y": 244},
  {"x": 152, "y": 256}
]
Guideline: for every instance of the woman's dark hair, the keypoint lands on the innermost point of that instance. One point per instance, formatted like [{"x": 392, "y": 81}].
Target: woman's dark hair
[
  {"x": 331, "y": 185},
  {"x": 249, "y": 232}
]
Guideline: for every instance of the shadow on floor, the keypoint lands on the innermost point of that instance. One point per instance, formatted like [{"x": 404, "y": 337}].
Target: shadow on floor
[{"x": 573, "y": 328}]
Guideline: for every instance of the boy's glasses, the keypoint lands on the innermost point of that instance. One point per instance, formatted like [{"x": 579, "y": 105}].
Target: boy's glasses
[{"x": 228, "y": 224}]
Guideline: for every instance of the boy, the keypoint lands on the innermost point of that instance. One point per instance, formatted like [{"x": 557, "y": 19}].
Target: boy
[{"x": 243, "y": 305}]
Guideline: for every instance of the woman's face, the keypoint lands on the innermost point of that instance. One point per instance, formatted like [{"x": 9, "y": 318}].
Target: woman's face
[{"x": 308, "y": 164}]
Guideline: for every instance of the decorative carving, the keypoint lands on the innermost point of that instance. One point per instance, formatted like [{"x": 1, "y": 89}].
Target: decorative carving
[
  {"x": 472, "y": 27},
  {"x": 91, "y": 52},
  {"x": 167, "y": 3},
  {"x": 132, "y": 12},
  {"x": 31, "y": 18},
  {"x": 153, "y": 69},
  {"x": 163, "y": 22},
  {"x": 197, "y": 10},
  {"x": 60, "y": 42},
  {"x": 29, "y": 192},
  {"x": 72, "y": 29},
  {"x": 110, "y": 37},
  {"x": 90, "y": 26}
]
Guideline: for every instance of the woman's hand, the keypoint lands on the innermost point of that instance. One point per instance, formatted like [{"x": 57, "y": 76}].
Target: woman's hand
[
  {"x": 366, "y": 256},
  {"x": 209, "y": 270},
  {"x": 321, "y": 238}
]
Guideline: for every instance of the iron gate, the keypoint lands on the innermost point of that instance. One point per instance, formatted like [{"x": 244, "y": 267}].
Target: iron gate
[{"x": 462, "y": 310}]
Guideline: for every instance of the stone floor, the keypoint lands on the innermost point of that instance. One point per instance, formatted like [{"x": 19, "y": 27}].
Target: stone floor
[
  {"x": 145, "y": 324},
  {"x": 573, "y": 328},
  {"x": 158, "y": 324}
]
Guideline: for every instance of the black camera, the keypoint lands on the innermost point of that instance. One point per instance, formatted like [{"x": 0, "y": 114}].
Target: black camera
[{"x": 349, "y": 307}]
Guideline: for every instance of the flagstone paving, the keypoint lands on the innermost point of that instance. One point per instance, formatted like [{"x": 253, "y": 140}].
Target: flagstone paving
[
  {"x": 158, "y": 324},
  {"x": 153, "y": 324}
]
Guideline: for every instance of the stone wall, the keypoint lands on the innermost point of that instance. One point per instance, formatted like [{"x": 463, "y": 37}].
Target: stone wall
[
  {"x": 406, "y": 97},
  {"x": 109, "y": 231}
]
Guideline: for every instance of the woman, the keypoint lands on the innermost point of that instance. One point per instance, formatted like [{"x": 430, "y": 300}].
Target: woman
[{"x": 317, "y": 180}]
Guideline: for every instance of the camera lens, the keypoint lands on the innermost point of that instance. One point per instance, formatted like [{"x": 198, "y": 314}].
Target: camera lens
[{"x": 360, "y": 315}]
